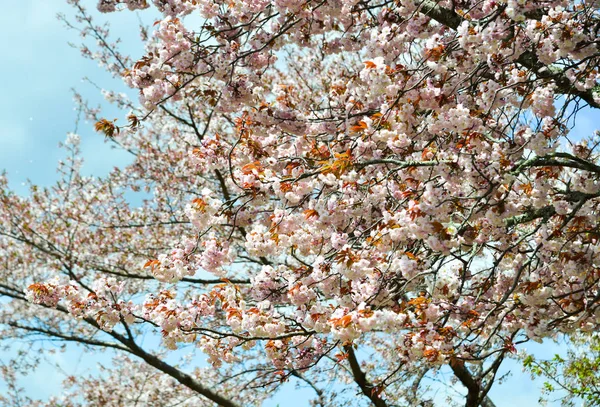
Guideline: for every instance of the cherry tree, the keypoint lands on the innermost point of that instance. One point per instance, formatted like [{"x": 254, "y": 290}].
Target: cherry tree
[{"x": 354, "y": 194}]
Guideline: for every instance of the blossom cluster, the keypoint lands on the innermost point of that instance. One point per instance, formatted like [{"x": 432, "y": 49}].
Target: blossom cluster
[{"x": 395, "y": 177}]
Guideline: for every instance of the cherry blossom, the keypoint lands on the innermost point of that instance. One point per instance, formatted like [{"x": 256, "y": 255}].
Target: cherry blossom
[{"x": 325, "y": 181}]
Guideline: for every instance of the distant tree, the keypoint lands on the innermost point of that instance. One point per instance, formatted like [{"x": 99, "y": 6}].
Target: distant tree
[
  {"x": 355, "y": 194},
  {"x": 573, "y": 377}
]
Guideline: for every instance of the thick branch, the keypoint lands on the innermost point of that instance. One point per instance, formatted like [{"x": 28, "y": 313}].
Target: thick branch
[
  {"x": 545, "y": 212},
  {"x": 557, "y": 160},
  {"x": 563, "y": 84},
  {"x": 473, "y": 386},
  {"x": 465, "y": 377},
  {"x": 361, "y": 379},
  {"x": 440, "y": 14},
  {"x": 175, "y": 373}
]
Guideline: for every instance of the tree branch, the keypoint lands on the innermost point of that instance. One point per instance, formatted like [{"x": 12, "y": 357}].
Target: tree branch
[
  {"x": 361, "y": 379},
  {"x": 528, "y": 59}
]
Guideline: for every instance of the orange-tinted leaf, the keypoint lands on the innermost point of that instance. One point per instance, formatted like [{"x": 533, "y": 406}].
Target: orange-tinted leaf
[
  {"x": 310, "y": 213},
  {"x": 199, "y": 204},
  {"x": 252, "y": 168},
  {"x": 107, "y": 127},
  {"x": 411, "y": 256},
  {"x": 361, "y": 125},
  {"x": 151, "y": 263}
]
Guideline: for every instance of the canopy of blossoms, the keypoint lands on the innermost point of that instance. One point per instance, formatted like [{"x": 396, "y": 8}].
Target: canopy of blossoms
[{"x": 326, "y": 182}]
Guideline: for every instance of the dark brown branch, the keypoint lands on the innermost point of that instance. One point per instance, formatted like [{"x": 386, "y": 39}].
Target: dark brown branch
[
  {"x": 475, "y": 395},
  {"x": 465, "y": 377},
  {"x": 360, "y": 378},
  {"x": 175, "y": 373}
]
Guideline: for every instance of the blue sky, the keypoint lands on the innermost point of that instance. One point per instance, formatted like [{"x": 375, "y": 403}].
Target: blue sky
[
  {"x": 39, "y": 70},
  {"x": 36, "y": 111}
]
